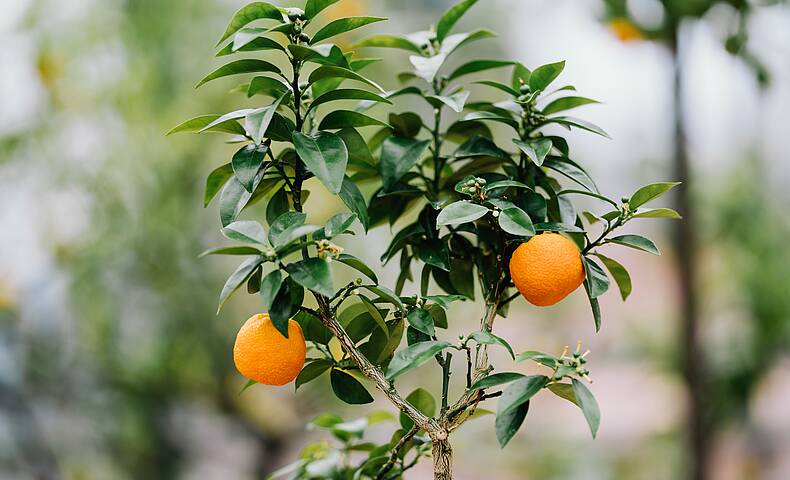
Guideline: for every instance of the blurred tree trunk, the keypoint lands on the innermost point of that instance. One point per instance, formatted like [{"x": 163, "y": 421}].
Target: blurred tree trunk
[{"x": 685, "y": 245}]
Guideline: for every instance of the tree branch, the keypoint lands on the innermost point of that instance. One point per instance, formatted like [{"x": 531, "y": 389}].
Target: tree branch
[{"x": 396, "y": 451}]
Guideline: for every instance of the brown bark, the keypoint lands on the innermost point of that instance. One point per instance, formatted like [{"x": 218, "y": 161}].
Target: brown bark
[{"x": 442, "y": 459}]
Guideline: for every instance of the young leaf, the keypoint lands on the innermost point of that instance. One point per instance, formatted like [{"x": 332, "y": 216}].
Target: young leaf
[
  {"x": 413, "y": 356},
  {"x": 477, "y": 66},
  {"x": 250, "y": 13},
  {"x": 282, "y": 223},
  {"x": 520, "y": 391},
  {"x": 454, "y": 42},
  {"x": 238, "y": 67},
  {"x": 268, "y": 86},
  {"x": 579, "y": 123},
  {"x": 421, "y": 320},
  {"x": 515, "y": 221},
  {"x": 536, "y": 150},
  {"x": 649, "y": 193},
  {"x": 257, "y": 121},
  {"x": 423, "y": 401},
  {"x": 348, "y": 389},
  {"x": 488, "y": 338},
  {"x": 455, "y": 101},
  {"x": 542, "y": 76},
  {"x": 342, "y": 25},
  {"x": 270, "y": 285},
  {"x": 232, "y": 200},
  {"x": 348, "y": 119},
  {"x": 241, "y": 250},
  {"x": 255, "y": 44},
  {"x": 540, "y": 357},
  {"x": 311, "y": 371},
  {"x": 566, "y": 103},
  {"x": 572, "y": 171},
  {"x": 216, "y": 179},
  {"x": 594, "y": 305},
  {"x": 398, "y": 155},
  {"x": 338, "y": 224},
  {"x": 314, "y": 7},
  {"x": 201, "y": 124},
  {"x": 347, "y": 94},
  {"x": 657, "y": 213},
  {"x": 451, "y": 17},
  {"x": 389, "y": 41},
  {"x": 358, "y": 265},
  {"x": 325, "y": 155},
  {"x": 329, "y": 71},
  {"x": 353, "y": 199},
  {"x": 313, "y": 274},
  {"x": 495, "y": 380},
  {"x": 245, "y": 231},
  {"x": 246, "y": 163},
  {"x": 427, "y": 67},
  {"x": 619, "y": 273},
  {"x": 589, "y": 406},
  {"x": 237, "y": 279},
  {"x": 635, "y": 241},
  {"x": 460, "y": 212}
]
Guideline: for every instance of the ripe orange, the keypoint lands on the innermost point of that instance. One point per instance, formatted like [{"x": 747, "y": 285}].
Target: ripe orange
[
  {"x": 546, "y": 269},
  {"x": 261, "y": 353}
]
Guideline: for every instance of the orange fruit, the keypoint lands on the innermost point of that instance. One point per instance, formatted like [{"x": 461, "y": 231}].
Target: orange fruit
[
  {"x": 261, "y": 353},
  {"x": 546, "y": 269}
]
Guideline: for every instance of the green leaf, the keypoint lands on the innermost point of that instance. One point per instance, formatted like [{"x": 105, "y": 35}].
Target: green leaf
[
  {"x": 246, "y": 163},
  {"x": 338, "y": 119},
  {"x": 599, "y": 282},
  {"x": 657, "y": 213},
  {"x": 505, "y": 184},
  {"x": 376, "y": 314},
  {"x": 268, "y": 86},
  {"x": 398, "y": 156},
  {"x": 338, "y": 224},
  {"x": 421, "y": 320},
  {"x": 635, "y": 241},
  {"x": 479, "y": 146},
  {"x": 285, "y": 305},
  {"x": 238, "y": 67},
  {"x": 407, "y": 124},
  {"x": 413, "y": 356},
  {"x": 311, "y": 371},
  {"x": 313, "y": 274},
  {"x": 477, "y": 66},
  {"x": 649, "y": 193},
  {"x": 508, "y": 423},
  {"x": 358, "y": 151},
  {"x": 240, "y": 250},
  {"x": 500, "y": 86},
  {"x": 564, "y": 390},
  {"x": 588, "y": 405},
  {"x": 619, "y": 273},
  {"x": 579, "y": 123},
  {"x": 314, "y": 7},
  {"x": 216, "y": 179},
  {"x": 590, "y": 194},
  {"x": 515, "y": 221},
  {"x": 536, "y": 150},
  {"x": 566, "y": 103},
  {"x": 270, "y": 285},
  {"x": 542, "y": 76},
  {"x": 572, "y": 171},
  {"x": 451, "y": 17},
  {"x": 492, "y": 117},
  {"x": 454, "y": 42},
  {"x": 358, "y": 265},
  {"x": 199, "y": 124},
  {"x": 237, "y": 279},
  {"x": 245, "y": 231},
  {"x": 250, "y": 13},
  {"x": 257, "y": 121},
  {"x": 256, "y": 44},
  {"x": 348, "y": 389},
  {"x": 325, "y": 155},
  {"x": 342, "y": 25},
  {"x": 347, "y": 94},
  {"x": 540, "y": 357},
  {"x": 488, "y": 338},
  {"x": 520, "y": 391},
  {"x": 353, "y": 199},
  {"x": 495, "y": 380},
  {"x": 386, "y": 294},
  {"x": 389, "y": 41},
  {"x": 455, "y": 101},
  {"x": 329, "y": 71},
  {"x": 460, "y": 212},
  {"x": 520, "y": 76},
  {"x": 423, "y": 401},
  {"x": 427, "y": 67},
  {"x": 594, "y": 305},
  {"x": 294, "y": 233},
  {"x": 282, "y": 223},
  {"x": 232, "y": 200}
]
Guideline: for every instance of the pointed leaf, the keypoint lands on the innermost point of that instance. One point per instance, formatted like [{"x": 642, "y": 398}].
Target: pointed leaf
[
  {"x": 650, "y": 192},
  {"x": 200, "y": 124},
  {"x": 398, "y": 156},
  {"x": 507, "y": 423},
  {"x": 348, "y": 389},
  {"x": 657, "y": 213},
  {"x": 313, "y": 274},
  {"x": 488, "y": 338},
  {"x": 250, "y": 13},
  {"x": 389, "y": 41},
  {"x": 238, "y": 67},
  {"x": 311, "y": 371},
  {"x": 216, "y": 179},
  {"x": 427, "y": 67},
  {"x": 589, "y": 406},
  {"x": 325, "y": 155},
  {"x": 423, "y": 401},
  {"x": 314, "y": 7},
  {"x": 353, "y": 199},
  {"x": 495, "y": 380},
  {"x": 520, "y": 391},
  {"x": 599, "y": 282},
  {"x": 515, "y": 221},
  {"x": 329, "y": 71},
  {"x": 413, "y": 357},
  {"x": 619, "y": 273},
  {"x": 635, "y": 241},
  {"x": 566, "y": 103},
  {"x": 451, "y": 17},
  {"x": 347, "y": 94},
  {"x": 421, "y": 320},
  {"x": 246, "y": 163},
  {"x": 348, "y": 119},
  {"x": 237, "y": 279},
  {"x": 460, "y": 212},
  {"x": 536, "y": 150},
  {"x": 342, "y": 25},
  {"x": 270, "y": 285},
  {"x": 542, "y": 76},
  {"x": 477, "y": 66},
  {"x": 245, "y": 231}
]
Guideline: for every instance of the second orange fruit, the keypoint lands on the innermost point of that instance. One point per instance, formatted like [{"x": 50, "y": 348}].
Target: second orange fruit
[{"x": 546, "y": 269}]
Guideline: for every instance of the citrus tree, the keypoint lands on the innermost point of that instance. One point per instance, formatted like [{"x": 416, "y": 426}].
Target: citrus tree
[{"x": 474, "y": 215}]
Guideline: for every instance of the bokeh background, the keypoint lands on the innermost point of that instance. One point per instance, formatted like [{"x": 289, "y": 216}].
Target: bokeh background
[{"x": 114, "y": 366}]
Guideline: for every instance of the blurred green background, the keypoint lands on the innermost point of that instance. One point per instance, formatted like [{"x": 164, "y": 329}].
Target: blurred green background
[{"x": 114, "y": 366}]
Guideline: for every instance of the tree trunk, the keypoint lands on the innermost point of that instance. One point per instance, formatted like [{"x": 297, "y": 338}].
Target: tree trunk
[
  {"x": 442, "y": 460},
  {"x": 685, "y": 243}
]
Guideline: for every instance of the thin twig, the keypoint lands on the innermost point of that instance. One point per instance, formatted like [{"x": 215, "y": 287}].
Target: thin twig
[{"x": 396, "y": 451}]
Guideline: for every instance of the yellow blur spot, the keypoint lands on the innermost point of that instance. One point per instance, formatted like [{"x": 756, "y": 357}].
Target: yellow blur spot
[{"x": 624, "y": 30}]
